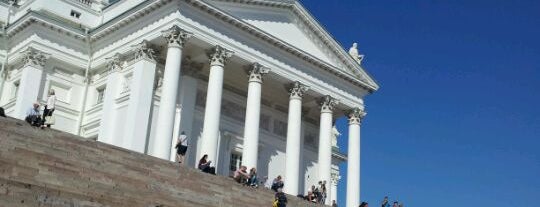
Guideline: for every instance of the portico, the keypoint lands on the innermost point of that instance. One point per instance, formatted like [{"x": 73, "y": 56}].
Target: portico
[{"x": 244, "y": 93}]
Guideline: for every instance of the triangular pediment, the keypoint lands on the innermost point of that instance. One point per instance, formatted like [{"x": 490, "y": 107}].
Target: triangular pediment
[
  {"x": 288, "y": 21},
  {"x": 278, "y": 22}
]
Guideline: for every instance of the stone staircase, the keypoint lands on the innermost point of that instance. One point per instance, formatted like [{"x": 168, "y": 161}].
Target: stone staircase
[{"x": 52, "y": 168}]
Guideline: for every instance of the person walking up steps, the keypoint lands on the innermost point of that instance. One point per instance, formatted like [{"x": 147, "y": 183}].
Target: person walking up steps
[{"x": 181, "y": 147}]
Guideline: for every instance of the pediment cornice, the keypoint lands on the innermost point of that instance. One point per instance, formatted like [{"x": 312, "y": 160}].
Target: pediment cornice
[
  {"x": 367, "y": 84},
  {"x": 125, "y": 18},
  {"x": 315, "y": 28},
  {"x": 356, "y": 76},
  {"x": 33, "y": 17}
]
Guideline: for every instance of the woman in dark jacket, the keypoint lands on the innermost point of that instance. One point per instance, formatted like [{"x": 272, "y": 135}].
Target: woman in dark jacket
[{"x": 204, "y": 165}]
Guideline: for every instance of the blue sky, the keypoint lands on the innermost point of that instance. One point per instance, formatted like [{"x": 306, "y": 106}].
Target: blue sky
[{"x": 457, "y": 118}]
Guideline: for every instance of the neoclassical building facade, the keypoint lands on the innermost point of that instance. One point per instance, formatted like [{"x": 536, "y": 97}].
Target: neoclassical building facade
[{"x": 251, "y": 82}]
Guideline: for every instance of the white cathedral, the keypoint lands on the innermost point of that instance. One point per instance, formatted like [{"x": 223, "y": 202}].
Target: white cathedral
[{"x": 251, "y": 82}]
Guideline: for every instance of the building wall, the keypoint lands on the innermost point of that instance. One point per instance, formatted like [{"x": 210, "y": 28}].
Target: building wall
[{"x": 79, "y": 100}]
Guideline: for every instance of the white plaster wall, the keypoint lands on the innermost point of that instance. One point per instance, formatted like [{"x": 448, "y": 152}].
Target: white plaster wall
[
  {"x": 61, "y": 8},
  {"x": 119, "y": 8},
  {"x": 273, "y": 153},
  {"x": 119, "y": 119}
]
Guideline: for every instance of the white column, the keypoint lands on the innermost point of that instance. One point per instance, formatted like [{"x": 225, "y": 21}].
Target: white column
[
  {"x": 209, "y": 143},
  {"x": 292, "y": 156},
  {"x": 107, "y": 124},
  {"x": 335, "y": 177},
  {"x": 353, "y": 164},
  {"x": 3, "y": 79},
  {"x": 250, "y": 150},
  {"x": 186, "y": 100},
  {"x": 161, "y": 145},
  {"x": 327, "y": 104},
  {"x": 137, "y": 122},
  {"x": 30, "y": 83}
]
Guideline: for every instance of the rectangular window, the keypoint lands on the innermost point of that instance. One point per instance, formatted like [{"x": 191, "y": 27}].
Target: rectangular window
[
  {"x": 280, "y": 128},
  {"x": 236, "y": 161},
  {"x": 100, "y": 95},
  {"x": 15, "y": 90},
  {"x": 75, "y": 14}
]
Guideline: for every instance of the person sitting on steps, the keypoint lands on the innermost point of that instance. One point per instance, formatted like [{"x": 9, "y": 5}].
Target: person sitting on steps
[
  {"x": 33, "y": 116},
  {"x": 204, "y": 165},
  {"x": 241, "y": 175},
  {"x": 277, "y": 183},
  {"x": 253, "y": 181}
]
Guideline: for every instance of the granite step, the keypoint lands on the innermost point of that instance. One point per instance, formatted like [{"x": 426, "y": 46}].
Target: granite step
[{"x": 51, "y": 168}]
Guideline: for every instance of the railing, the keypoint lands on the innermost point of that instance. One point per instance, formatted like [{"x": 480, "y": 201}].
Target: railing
[{"x": 85, "y": 2}]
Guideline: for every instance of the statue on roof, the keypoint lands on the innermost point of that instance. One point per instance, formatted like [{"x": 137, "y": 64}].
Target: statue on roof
[{"x": 353, "y": 51}]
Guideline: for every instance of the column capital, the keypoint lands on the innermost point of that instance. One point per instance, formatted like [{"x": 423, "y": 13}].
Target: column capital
[
  {"x": 218, "y": 55},
  {"x": 176, "y": 37},
  {"x": 356, "y": 115},
  {"x": 255, "y": 72},
  {"x": 114, "y": 63},
  {"x": 33, "y": 57},
  {"x": 144, "y": 51},
  {"x": 335, "y": 177},
  {"x": 190, "y": 67},
  {"x": 327, "y": 103},
  {"x": 297, "y": 90}
]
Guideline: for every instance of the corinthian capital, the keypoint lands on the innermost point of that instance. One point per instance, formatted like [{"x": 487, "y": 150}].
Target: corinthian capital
[
  {"x": 218, "y": 55},
  {"x": 143, "y": 51},
  {"x": 33, "y": 57},
  {"x": 176, "y": 37},
  {"x": 114, "y": 63},
  {"x": 297, "y": 89},
  {"x": 255, "y": 72},
  {"x": 327, "y": 103},
  {"x": 356, "y": 115}
]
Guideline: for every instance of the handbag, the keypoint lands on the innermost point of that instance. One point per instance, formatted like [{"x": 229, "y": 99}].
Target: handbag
[
  {"x": 49, "y": 120},
  {"x": 275, "y": 203}
]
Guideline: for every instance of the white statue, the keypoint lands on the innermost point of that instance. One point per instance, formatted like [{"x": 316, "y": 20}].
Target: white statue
[
  {"x": 335, "y": 135},
  {"x": 353, "y": 51}
]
